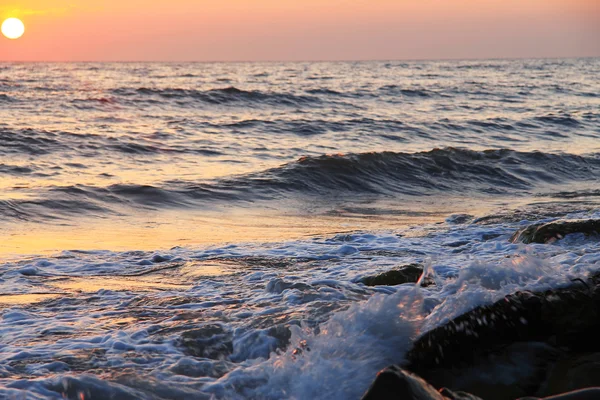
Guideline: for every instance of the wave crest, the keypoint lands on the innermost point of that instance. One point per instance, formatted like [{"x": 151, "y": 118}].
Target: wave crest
[{"x": 448, "y": 171}]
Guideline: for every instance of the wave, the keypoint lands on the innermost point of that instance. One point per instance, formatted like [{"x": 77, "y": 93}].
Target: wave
[
  {"x": 315, "y": 126},
  {"x": 564, "y": 120},
  {"x": 50, "y": 209},
  {"x": 218, "y": 96},
  {"x": 399, "y": 91},
  {"x": 35, "y": 142},
  {"x": 436, "y": 172},
  {"x": 4, "y": 98},
  {"x": 29, "y": 141},
  {"x": 325, "y": 91},
  {"x": 15, "y": 170}
]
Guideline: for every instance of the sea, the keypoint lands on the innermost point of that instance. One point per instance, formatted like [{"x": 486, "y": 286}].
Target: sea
[{"x": 201, "y": 230}]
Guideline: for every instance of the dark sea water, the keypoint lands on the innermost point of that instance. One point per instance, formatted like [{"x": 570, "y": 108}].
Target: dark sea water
[{"x": 178, "y": 231}]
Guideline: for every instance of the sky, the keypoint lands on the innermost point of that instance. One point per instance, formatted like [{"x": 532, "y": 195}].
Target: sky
[{"x": 293, "y": 30}]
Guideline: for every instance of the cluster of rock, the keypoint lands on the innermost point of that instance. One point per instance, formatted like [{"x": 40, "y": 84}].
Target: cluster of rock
[
  {"x": 527, "y": 344},
  {"x": 410, "y": 273},
  {"x": 551, "y": 231}
]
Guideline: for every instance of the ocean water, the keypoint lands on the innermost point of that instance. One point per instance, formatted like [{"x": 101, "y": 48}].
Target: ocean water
[{"x": 176, "y": 231}]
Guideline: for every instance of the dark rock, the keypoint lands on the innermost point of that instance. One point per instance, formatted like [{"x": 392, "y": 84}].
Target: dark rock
[
  {"x": 282, "y": 334},
  {"x": 543, "y": 233},
  {"x": 409, "y": 273},
  {"x": 539, "y": 323},
  {"x": 158, "y": 258},
  {"x": 567, "y": 317},
  {"x": 212, "y": 341},
  {"x": 572, "y": 373},
  {"x": 459, "y": 218},
  {"x": 457, "y": 243},
  {"x": 279, "y": 285},
  {"x": 195, "y": 368},
  {"x": 489, "y": 236},
  {"x": 393, "y": 383},
  {"x": 592, "y": 393},
  {"x": 449, "y": 394},
  {"x": 511, "y": 372}
]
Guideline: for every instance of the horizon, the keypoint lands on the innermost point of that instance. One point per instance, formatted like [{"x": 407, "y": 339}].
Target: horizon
[{"x": 407, "y": 60}]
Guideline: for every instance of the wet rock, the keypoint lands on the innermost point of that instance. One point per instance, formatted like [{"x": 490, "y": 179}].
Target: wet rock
[
  {"x": 195, "y": 368},
  {"x": 514, "y": 371},
  {"x": 489, "y": 236},
  {"x": 456, "y": 243},
  {"x": 282, "y": 334},
  {"x": 592, "y": 393},
  {"x": 393, "y": 383},
  {"x": 572, "y": 373},
  {"x": 279, "y": 285},
  {"x": 544, "y": 233},
  {"x": 567, "y": 317},
  {"x": 159, "y": 258},
  {"x": 526, "y": 333},
  {"x": 449, "y": 394},
  {"x": 409, "y": 273},
  {"x": 214, "y": 341},
  {"x": 459, "y": 218}
]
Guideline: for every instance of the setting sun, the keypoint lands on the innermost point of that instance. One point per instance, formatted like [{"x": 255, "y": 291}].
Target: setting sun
[{"x": 13, "y": 28}]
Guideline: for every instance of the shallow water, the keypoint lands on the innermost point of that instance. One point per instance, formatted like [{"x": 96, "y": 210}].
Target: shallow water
[{"x": 236, "y": 207}]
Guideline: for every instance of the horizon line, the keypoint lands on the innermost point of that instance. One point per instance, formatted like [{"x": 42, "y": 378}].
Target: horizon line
[{"x": 303, "y": 61}]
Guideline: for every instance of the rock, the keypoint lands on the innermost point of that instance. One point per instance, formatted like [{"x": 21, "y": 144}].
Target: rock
[
  {"x": 278, "y": 285},
  {"x": 449, "y": 394},
  {"x": 212, "y": 341},
  {"x": 459, "y": 218},
  {"x": 511, "y": 372},
  {"x": 393, "y": 383},
  {"x": 282, "y": 335},
  {"x": 409, "y": 273},
  {"x": 538, "y": 324},
  {"x": 584, "y": 394},
  {"x": 543, "y": 233},
  {"x": 159, "y": 258},
  {"x": 572, "y": 373},
  {"x": 194, "y": 368},
  {"x": 568, "y": 317}
]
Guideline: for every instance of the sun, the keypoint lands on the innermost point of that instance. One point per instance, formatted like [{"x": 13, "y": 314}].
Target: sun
[{"x": 13, "y": 28}]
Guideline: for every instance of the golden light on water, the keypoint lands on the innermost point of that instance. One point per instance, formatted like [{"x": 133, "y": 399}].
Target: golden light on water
[{"x": 13, "y": 28}]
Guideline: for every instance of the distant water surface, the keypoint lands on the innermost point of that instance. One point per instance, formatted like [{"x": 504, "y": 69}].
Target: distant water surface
[{"x": 87, "y": 145}]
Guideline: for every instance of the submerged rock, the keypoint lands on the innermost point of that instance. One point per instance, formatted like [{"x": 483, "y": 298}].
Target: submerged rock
[
  {"x": 409, "y": 273},
  {"x": 459, "y": 218},
  {"x": 544, "y": 233},
  {"x": 195, "y": 368},
  {"x": 212, "y": 341},
  {"x": 279, "y": 285}
]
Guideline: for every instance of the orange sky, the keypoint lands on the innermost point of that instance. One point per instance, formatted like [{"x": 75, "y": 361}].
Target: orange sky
[{"x": 209, "y": 30}]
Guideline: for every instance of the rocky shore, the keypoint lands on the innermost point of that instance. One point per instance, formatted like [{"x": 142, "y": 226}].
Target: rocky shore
[{"x": 527, "y": 345}]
